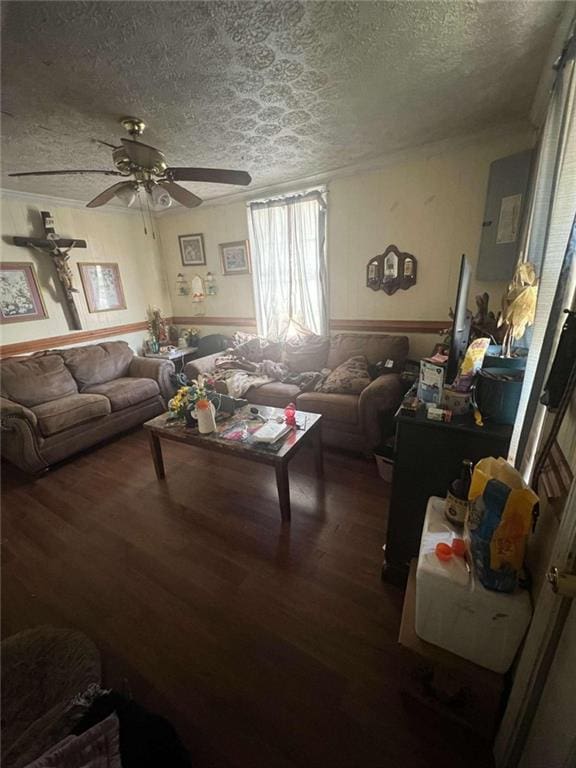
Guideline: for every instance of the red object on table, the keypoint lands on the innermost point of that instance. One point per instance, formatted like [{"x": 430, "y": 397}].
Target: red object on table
[{"x": 290, "y": 415}]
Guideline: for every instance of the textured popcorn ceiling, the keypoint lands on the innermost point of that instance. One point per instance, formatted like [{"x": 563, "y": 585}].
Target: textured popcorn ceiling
[{"x": 283, "y": 89}]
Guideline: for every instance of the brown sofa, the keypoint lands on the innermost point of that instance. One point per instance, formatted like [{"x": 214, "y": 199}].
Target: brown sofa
[
  {"x": 62, "y": 401},
  {"x": 355, "y": 422}
]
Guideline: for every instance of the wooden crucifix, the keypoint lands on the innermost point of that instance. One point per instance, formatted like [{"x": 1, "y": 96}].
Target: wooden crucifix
[{"x": 58, "y": 248}]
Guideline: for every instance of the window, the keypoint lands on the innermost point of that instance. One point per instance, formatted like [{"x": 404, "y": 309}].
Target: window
[{"x": 287, "y": 238}]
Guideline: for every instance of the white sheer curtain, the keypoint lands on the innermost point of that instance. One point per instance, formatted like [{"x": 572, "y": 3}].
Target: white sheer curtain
[
  {"x": 287, "y": 240},
  {"x": 548, "y": 231}
]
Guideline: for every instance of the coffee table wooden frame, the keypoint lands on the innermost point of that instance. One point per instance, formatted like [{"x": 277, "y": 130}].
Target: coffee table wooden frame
[{"x": 160, "y": 429}]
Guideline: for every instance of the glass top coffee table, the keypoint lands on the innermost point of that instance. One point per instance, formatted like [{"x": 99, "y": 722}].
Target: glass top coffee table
[{"x": 234, "y": 436}]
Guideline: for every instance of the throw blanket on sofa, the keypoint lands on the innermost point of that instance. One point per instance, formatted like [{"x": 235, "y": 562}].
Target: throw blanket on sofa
[
  {"x": 238, "y": 382},
  {"x": 308, "y": 381}
]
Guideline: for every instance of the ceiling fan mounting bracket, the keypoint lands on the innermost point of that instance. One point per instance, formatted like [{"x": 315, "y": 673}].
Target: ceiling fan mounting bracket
[{"x": 133, "y": 125}]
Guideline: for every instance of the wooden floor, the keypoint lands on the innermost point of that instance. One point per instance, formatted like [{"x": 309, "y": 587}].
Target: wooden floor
[{"x": 266, "y": 646}]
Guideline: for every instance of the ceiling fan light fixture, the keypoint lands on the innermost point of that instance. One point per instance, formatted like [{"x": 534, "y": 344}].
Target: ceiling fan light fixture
[
  {"x": 126, "y": 195},
  {"x": 160, "y": 198}
]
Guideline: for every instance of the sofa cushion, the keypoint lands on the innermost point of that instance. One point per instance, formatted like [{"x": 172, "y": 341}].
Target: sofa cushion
[
  {"x": 374, "y": 347},
  {"x": 342, "y": 408},
  {"x": 307, "y": 353},
  {"x": 125, "y": 392},
  {"x": 97, "y": 363},
  {"x": 349, "y": 378},
  {"x": 275, "y": 394},
  {"x": 35, "y": 380},
  {"x": 58, "y": 415}
]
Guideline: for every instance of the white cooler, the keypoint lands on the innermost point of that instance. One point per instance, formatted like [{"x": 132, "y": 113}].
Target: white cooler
[{"x": 454, "y": 610}]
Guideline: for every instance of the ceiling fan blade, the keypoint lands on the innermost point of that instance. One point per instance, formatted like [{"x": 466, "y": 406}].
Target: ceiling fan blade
[
  {"x": 108, "y": 194},
  {"x": 180, "y": 194},
  {"x": 105, "y": 143},
  {"x": 58, "y": 173},
  {"x": 212, "y": 175},
  {"x": 141, "y": 154}
]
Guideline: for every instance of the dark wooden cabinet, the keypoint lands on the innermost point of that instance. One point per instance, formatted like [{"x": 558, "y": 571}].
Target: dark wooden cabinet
[{"x": 428, "y": 456}]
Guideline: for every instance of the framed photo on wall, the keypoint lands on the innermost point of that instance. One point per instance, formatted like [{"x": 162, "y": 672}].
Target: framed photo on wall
[
  {"x": 20, "y": 297},
  {"x": 102, "y": 286},
  {"x": 235, "y": 258},
  {"x": 192, "y": 250}
]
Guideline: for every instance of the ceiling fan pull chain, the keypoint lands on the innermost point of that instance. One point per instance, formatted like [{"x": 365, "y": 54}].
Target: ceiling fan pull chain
[
  {"x": 142, "y": 211},
  {"x": 147, "y": 195}
]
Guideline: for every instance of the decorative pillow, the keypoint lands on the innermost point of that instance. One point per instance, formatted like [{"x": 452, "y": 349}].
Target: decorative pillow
[{"x": 350, "y": 378}]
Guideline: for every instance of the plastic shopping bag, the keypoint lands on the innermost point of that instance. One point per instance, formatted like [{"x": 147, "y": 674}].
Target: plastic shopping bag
[{"x": 499, "y": 523}]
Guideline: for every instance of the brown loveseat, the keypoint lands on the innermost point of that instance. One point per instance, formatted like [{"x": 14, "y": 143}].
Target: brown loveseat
[
  {"x": 56, "y": 403},
  {"x": 355, "y": 422}
]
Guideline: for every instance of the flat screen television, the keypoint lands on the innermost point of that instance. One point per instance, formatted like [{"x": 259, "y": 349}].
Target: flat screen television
[{"x": 461, "y": 323}]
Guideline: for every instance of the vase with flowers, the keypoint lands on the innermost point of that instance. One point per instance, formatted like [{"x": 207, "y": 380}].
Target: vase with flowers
[{"x": 188, "y": 398}]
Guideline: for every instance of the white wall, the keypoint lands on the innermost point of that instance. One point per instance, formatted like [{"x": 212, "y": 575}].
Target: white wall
[
  {"x": 218, "y": 224},
  {"x": 429, "y": 202},
  {"x": 112, "y": 236}
]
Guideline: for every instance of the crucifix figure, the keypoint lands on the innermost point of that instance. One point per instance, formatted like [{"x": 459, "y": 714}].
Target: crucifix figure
[{"x": 59, "y": 249}]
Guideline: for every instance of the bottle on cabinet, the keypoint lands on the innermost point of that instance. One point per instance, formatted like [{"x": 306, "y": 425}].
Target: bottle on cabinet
[{"x": 457, "y": 504}]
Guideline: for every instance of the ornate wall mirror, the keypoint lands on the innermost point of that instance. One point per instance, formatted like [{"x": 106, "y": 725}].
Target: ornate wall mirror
[{"x": 391, "y": 270}]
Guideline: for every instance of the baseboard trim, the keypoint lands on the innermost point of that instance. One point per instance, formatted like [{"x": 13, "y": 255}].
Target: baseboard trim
[{"x": 75, "y": 337}]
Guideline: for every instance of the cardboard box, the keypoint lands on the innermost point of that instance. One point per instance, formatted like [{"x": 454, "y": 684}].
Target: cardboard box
[{"x": 450, "y": 685}]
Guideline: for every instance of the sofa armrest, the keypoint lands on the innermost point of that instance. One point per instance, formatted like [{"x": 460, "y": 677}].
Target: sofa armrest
[
  {"x": 9, "y": 408},
  {"x": 203, "y": 365},
  {"x": 157, "y": 369},
  {"x": 378, "y": 404},
  {"x": 20, "y": 438}
]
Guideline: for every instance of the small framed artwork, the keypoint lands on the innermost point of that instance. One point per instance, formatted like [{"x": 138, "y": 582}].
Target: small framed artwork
[
  {"x": 192, "y": 250},
  {"x": 235, "y": 258},
  {"x": 102, "y": 286},
  {"x": 20, "y": 297}
]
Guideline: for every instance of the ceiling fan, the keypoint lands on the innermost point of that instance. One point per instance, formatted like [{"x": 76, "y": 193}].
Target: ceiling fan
[{"x": 149, "y": 170}]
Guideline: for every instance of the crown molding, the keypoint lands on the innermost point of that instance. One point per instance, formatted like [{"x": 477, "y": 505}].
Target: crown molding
[{"x": 374, "y": 165}]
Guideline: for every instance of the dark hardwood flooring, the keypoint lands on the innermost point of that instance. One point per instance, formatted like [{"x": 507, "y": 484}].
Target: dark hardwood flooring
[{"x": 266, "y": 646}]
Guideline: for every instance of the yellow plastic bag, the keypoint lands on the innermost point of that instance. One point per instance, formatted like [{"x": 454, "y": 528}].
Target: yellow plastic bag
[{"x": 499, "y": 522}]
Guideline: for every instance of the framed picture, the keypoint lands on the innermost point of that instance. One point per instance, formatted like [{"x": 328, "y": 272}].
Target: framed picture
[
  {"x": 192, "y": 250},
  {"x": 20, "y": 297},
  {"x": 235, "y": 258},
  {"x": 102, "y": 286}
]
